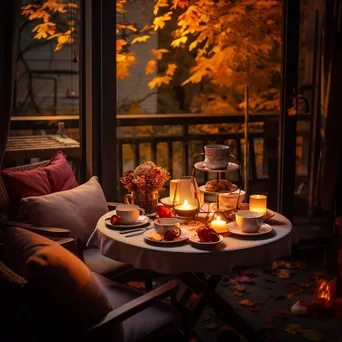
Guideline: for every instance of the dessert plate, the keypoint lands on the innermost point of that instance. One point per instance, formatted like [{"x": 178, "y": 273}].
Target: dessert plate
[
  {"x": 184, "y": 236},
  {"x": 234, "y": 229},
  {"x": 141, "y": 221},
  {"x": 202, "y": 166},
  {"x": 194, "y": 239},
  {"x": 232, "y": 189}
]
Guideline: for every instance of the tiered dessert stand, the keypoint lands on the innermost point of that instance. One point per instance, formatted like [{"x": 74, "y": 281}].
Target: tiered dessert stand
[{"x": 233, "y": 166}]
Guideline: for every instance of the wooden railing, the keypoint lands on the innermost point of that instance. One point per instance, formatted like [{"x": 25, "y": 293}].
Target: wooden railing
[{"x": 178, "y": 136}]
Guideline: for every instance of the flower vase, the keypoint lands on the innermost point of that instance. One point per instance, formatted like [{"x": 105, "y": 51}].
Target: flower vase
[{"x": 147, "y": 200}]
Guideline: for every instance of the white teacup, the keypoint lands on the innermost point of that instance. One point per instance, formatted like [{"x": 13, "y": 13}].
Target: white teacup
[
  {"x": 129, "y": 213},
  {"x": 249, "y": 221},
  {"x": 216, "y": 156},
  {"x": 162, "y": 225}
]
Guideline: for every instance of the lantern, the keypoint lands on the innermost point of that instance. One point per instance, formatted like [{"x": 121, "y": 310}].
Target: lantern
[{"x": 186, "y": 203}]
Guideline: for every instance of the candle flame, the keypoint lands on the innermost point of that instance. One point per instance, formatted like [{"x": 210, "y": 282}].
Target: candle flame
[
  {"x": 186, "y": 205},
  {"x": 218, "y": 218}
]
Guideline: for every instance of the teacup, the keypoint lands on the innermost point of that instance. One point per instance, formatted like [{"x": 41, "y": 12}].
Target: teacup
[
  {"x": 249, "y": 221},
  {"x": 129, "y": 213},
  {"x": 162, "y": 225},
  {"x": 216, "y": 156}
]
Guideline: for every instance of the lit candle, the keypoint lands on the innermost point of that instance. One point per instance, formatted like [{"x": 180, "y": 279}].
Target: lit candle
[
  {"x": 258, "y": 203},
  {"x": 219, "y": 225},
  {"x": 186, "y": 209}
]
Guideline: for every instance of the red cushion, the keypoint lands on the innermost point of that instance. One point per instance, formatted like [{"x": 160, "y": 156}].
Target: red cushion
[
  {"x": 60, "y": 174},
  {"x": 26, "y": 183}
]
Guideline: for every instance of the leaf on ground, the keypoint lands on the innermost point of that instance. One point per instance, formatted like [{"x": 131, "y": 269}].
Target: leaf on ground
[
  {"x": 289, "y": 265},
  {"x": 293, "y": 329},
  {"x": 239, "y": 288},
  {"x": 277, "y": 296},
  {"x": 136, "y": 284},
  {"x": 212, "y": 326},
  {"x": 312, "y": 335},
  {"x": 248, "y": 273},
  {"x": 247, "y": 302},
  {"x": 239, "y": 294},
  {"x": 268, "y": 319},
  {"x": 285, "y": 312},
  {"x": 284, "y": 274},
  {"x": 277, "y": 264},
  {"x": 246, "y": 280}
]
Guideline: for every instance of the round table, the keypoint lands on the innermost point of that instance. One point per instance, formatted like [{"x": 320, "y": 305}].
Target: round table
[
  {"x": 200, "y": 269},
  {"x": 184, "y": 257}
]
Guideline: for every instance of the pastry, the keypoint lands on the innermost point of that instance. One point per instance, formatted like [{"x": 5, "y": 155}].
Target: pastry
[{"x": 215, "y": 186}]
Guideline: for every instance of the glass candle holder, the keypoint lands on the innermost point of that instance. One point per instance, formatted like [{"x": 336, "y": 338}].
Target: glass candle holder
[
  {"x": 258, "y": 203},
  {"x": 186, "y": 203}
]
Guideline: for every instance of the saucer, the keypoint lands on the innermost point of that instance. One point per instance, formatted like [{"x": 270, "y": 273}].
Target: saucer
[
  {"x": 141, "y": 221},
  {"x": 202, "y": 166},
  {"x": 184, "y": 236},
  {"x": 194, "y": 239},
  {"x": 234, "y": 229},
  {"x": 166, "y": 201}
]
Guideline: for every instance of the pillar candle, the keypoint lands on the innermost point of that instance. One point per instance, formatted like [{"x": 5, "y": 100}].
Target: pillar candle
[{"x": 258, "y": 203}]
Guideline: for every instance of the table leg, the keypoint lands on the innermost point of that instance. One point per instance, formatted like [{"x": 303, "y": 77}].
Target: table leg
[{"x": 207, "y": 295}]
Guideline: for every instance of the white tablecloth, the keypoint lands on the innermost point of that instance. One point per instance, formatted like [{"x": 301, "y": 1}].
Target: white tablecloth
[{"x": 184, "y": 257}]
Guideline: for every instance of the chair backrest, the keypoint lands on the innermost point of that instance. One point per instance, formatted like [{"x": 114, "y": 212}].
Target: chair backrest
[{"x": 4, "y": 198}]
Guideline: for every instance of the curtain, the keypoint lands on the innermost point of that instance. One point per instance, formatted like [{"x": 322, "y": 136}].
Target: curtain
[
  {"x": 9, "y": 21},
  {"x": 331, "y": 106}
]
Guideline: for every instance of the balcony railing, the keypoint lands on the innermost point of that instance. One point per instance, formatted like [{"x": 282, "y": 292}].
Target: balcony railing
[{"x": 173, "y": 139}]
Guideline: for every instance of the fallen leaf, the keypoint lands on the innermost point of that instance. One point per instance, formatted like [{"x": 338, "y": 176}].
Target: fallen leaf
[
  {"x": 284, "y": 274},
  {"x": 289, "y": 265},
  {"x": 247, "y": 302},
  {"x": 312, "y": 335},
  {"x": 293, "y": 329},
  {"x": 239, "y": 288},
  {"x": 248, "y": 273},
  {"x": 277, "y": 296},
  {"x": 277, "y": 264},
  {"x": 268, "y": 319},
  {"x": 239, "y": 294},
  {"x": 246, "y": 280},
  {"x": 285, "y": 311},
  {"x": 212, "y": 326}
]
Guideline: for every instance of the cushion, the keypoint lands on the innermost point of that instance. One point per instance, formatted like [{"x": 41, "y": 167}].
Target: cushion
[
  {"x": 36, "y": 180},
  {"x": 59, "y": 173},
  {"x": 77, "y": 210},
  {"x": 100, "y": 264},
  {"x": 21, "y": 184},
  {"x": 158, "y": 320},
  {"x": 62, "y": 287}
]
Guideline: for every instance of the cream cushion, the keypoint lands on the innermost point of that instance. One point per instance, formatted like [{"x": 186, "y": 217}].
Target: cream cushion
[{"x": 77, "y": 209}]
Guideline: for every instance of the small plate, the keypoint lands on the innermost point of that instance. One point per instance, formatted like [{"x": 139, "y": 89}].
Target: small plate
[
  {"x": 234, "y": 229},
  {"x": 232, "y": 189},
  {"x": 184, "y": 236},
  {"x": 141, "y": 221},
  {"x": 194, "y": 238},
  {"x": 166, "y": 201},
  {"x": 202, "y": 166}
]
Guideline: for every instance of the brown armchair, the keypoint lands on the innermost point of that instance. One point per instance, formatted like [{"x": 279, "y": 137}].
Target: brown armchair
[
  {"x": 48, "y": 294},
  {"x": 91, "y": 256}
]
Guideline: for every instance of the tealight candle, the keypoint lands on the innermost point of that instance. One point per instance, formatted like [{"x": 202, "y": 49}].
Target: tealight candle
[
  {"x": 219, "y": 225},
  {"x": 186, "y": 209},
  {"x": 258, "y": 203}
]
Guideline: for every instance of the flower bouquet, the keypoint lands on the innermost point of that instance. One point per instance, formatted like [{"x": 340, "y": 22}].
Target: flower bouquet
[{"x": 144, "y": 183}]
